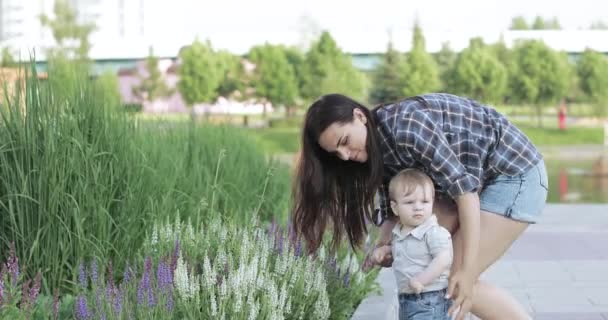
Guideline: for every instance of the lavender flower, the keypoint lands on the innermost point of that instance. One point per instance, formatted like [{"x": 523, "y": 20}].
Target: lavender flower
[
  {"x": 118, "y": 298},
  {"x": 35, "y": 290},
  {"x": 175, "y": 257},
  {"x": 346, "y": 279},
  {"x": 56, "y": 304},
  {"x": 163, "y": 276},
  {"x": 298, "y": 249},
  {"x": 1, "y": 286},
  {"x": 94, "y": 272},
  {"x": 127, "y": 274},
  {"x": 82, "y": 311},
  {"x": 12, "y": 264},
  {"x": 82, "y": 276},
  {"x": 145, "y": 286}
]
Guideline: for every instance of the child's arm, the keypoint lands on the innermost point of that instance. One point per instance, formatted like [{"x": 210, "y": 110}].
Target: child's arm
[{"x": 438, "y": 265}]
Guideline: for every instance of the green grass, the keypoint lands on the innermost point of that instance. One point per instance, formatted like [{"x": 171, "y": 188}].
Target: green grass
[{"x": 80, "y": 178}]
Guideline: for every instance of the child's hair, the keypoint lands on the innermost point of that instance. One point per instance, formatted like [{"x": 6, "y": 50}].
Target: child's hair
[{"x": 406, "y": 181}]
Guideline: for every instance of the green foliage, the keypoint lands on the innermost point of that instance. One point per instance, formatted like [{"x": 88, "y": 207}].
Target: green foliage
[
  {"x": 478, "y": 74},
  {"x": 327, "y": 70},
  {"x": 519, "y": 23},
  {"x": 7, "y": 59},
  {"x": 106, "y": 90},
  {"x": 599, "y": 25},
  {"x": 101, "y": 179},
  {"x": 274, "y": 77},
  {"x": 592, "y": 70},
  {"x": 546, "y": 24},
  {"x": 66, "y": 29},
  {"x": 421, "y": 72},
  {"x": 152, "y": 84},
  {"x": 199, "y": 73},
  {"x": 445, "y": 58},
  {"x": 234, "y": 78},
  {"x": 388, "y": 79},
  {"x": 539, "y": 75}
]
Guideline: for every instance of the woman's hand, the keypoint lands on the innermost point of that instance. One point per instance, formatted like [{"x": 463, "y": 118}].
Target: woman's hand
[
  {"x": 379, "y": 255},
  {"x": 460, "y": 290}
]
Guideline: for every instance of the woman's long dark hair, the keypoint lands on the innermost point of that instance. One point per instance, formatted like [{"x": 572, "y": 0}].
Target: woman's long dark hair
[{"x": 329, "y": 188}]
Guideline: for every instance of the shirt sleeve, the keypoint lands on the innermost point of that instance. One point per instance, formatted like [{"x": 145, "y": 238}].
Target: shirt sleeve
[
  {"x": 418, "y": 136},
  {"x": 438, "y": 239}
]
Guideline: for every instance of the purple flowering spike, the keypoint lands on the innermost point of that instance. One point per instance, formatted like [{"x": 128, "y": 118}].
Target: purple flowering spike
[
  {"x": 163, "y": 276},
  {"x": 280, "y": 243},
  {"x": 170, "y": 300},
  {"x": 175, "y": 256},
  {"x": 82, "y": 311},
  {"x": 25, "y": 302},
  {"x": 118, "y": 299},
  {"x": 346, "y": 279},
  {"x": 2, "y": 285},
  {"x": 35, "y": 290},
  {"x": 94, "y": 272},
  {"x": 56, "y": 304},
  {"x": 82, "y": 276},
  {"x": 298, "y": 249},
  {"x": 12, "y": 264},
  {"x": 127, "y": 274}
]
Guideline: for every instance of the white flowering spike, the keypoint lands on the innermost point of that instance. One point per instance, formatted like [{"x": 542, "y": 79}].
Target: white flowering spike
[
  {"x": 180, "y": 278},
  {"x": 154, "y": 240}
]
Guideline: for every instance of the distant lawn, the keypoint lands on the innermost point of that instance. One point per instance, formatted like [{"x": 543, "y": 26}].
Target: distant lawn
[{"x": 287, "y": 140}]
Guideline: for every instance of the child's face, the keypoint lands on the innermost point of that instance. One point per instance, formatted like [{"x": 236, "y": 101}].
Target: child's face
[{"x": 413, "y": 209}]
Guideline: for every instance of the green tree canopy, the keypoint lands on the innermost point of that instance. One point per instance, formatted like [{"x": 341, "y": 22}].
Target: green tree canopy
[
  {"x": 478, "y": 74},
  {"x": 388, "y": 78},
  {"x": 519, "y": 23},
  {"x": 592, "y": 70},
  {"x": 234, "y": 78},
  {"x": 7, "y": 59},
  {"x": 540, "y": 75},
  {"x": 199, "y": 73},
  {"x": 421, "y": 72},
  {"x": 152, "y": 84},
  {"x": 71, "y": 36},
  {"x": 275, "y": 77},
  {"x": 327, "y": 69}
]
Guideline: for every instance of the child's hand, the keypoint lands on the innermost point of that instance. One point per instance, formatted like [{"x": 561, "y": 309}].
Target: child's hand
[
  {"x": 416, "y": 285},
  {"x": 381, "y": 253}
]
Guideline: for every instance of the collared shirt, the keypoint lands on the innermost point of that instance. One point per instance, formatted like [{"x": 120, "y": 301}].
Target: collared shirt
[
  {"x": 414, "y": 251},
  {"x": 457, "y": 141}
]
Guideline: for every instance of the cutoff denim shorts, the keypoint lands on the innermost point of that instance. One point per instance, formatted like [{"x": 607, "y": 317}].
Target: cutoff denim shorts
[
  {"x": 430, "y": 305},
  {"x": 521, "y": 197}
]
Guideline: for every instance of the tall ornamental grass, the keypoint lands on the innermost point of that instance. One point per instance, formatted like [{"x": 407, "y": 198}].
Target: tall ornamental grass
[{"x": 79, "y": 178}]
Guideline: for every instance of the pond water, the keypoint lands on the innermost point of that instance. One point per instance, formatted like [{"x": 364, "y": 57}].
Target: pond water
[{"x": 578, "y": 181}]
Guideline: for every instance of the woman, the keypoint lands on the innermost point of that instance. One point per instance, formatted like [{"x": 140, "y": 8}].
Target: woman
[{"x": 491, "y": 181}]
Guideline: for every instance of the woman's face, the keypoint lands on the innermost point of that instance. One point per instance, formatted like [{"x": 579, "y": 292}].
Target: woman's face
[{"x": 347, "y": 140}]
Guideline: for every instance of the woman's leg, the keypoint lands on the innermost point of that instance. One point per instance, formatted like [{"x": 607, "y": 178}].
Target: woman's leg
[{"x": 497, "y": 233}]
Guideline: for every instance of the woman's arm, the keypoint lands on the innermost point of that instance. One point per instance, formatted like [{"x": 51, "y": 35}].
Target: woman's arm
[{"x": 461, "y": 282}]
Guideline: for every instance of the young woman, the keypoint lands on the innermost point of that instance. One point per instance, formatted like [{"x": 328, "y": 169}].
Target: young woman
[{"x": 490, "y": 179}]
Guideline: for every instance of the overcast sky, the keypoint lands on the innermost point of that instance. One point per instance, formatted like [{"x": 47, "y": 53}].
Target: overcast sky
[{"x": 448, "y": 15}]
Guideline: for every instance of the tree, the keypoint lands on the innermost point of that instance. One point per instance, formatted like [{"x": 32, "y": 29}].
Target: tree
[
  {"x": 538, "y": 24},
  {"x": 152, "y": 84},
  {"x": 478, "y": 74},
  {"x": 71, "y": 36},
  {"x": 234, "y": 78},
  {"x": 327, "y": 69},
  {"x": 7, "y": 59},
  {"x": 421, "y": 73},
  {"x": 274, "y": 78},
  {"x": 592, "y": 70},
  {"x": 540, "y": 75},
  {"x": 388, "y": 78},
  {"x": 599, "y": 25},
  {"x": 199, "y": 73},
  {"x": 519, "y": 23},
  {"x": 445, "y": 58}
]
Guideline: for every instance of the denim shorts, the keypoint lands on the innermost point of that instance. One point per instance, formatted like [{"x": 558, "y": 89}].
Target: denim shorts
[
  {"x": 521, "y": 197},
  {"x": 430, "y": 305}
]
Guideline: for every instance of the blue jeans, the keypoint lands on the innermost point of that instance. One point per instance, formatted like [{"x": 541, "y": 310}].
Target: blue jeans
[{"x": 430, "y": 305}]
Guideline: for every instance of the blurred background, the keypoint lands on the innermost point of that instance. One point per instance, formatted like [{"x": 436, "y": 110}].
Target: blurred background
[{"x": 119, "y": 118}]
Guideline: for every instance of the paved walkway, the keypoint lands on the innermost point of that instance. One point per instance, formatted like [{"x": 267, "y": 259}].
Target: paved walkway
[{"x": 558, "y": 268}]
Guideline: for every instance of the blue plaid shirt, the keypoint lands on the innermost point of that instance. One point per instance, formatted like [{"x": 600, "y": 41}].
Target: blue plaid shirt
[{"x": 457, "y": 141}]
